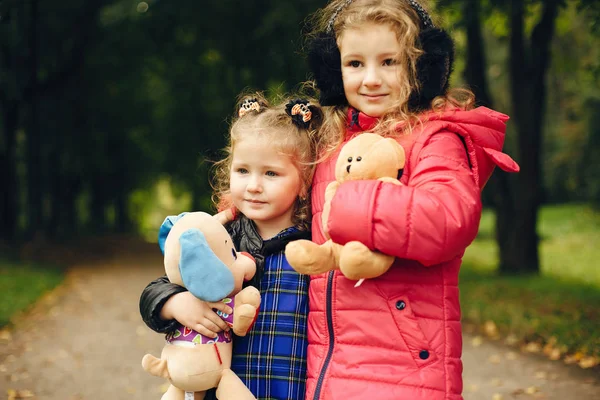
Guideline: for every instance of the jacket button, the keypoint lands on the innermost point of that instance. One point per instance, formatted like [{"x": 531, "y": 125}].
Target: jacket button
[
  {"x": 400, "y": 305},
  {"x": 423, "y": 354}
]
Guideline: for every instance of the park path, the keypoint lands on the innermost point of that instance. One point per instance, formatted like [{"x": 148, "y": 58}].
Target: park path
[{"x": 85, "y": 341}]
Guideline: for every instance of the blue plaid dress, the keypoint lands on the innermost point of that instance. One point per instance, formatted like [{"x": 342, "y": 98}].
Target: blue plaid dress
[{"x": 271, "y": 359}]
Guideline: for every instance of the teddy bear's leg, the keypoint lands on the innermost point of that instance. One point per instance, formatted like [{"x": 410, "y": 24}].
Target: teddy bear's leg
[
  {"x": 231, "y": 387},
  {"x": 357, "y": 261},
  {"x": 309, "y": 258}
]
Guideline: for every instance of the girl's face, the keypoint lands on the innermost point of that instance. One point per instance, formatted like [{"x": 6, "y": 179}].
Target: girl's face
[
  {"x": 369, "y": 68},
  {"x": 264, "y": 185}
]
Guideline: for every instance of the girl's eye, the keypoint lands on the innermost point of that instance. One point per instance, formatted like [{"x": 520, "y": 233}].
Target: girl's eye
[
  {"x": 241, "y": 171},
  {"x": 271, "y": 173},
  {"x": 389, "y": 62},
  {"x": 354, "y": 64},
  {"x": 234, "y": 254}
]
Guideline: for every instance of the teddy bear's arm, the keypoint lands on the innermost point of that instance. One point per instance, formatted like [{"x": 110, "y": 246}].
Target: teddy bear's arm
[{"x": 329, "y": 193}]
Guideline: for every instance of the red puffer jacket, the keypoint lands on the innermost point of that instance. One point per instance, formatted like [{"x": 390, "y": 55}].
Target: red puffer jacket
[{"x": 399, "y": 336}]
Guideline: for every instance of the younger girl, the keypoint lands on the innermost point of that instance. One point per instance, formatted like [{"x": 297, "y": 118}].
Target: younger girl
[
  {"x": 382, "y": 66},
  {"x": 266, "y": 177}
]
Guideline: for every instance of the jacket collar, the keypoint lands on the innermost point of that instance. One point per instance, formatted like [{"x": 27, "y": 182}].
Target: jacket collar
[{"x": 358, "y": 121}]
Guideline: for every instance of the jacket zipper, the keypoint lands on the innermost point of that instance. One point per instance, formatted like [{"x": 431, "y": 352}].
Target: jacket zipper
[{"x": 329, "y": 313}]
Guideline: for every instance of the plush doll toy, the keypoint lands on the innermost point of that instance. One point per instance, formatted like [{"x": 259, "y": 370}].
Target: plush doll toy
[
  {"x": 367, "y": 156},
  {"x": 200, "y": 255}
]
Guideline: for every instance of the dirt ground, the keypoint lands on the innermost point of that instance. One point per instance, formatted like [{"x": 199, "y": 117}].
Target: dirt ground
[{"x": 85, "y": 340}]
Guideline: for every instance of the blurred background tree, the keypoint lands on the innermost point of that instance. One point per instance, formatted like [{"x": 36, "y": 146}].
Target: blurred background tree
[
  {"x": 109, "y": 109},
  {"x": 525, "y": 57}
]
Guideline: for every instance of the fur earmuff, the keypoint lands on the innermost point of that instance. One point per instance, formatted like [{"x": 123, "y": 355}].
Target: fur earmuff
[
  {"x": 325, "y": 62},
  {"x": 433, "y": 68}
]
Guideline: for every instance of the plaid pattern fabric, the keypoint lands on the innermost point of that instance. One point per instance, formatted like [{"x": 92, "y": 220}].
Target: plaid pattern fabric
[{"x": 271, "y": 359}]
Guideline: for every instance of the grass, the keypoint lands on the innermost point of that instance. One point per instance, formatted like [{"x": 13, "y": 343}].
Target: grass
[
  {"x": 21, "y": 284},
  {"x": 558, "y": 308}
]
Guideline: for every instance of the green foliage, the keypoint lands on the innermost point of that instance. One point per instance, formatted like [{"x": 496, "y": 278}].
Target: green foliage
[
  {"x": 22, "y": 284},
  {"x": 562, "y": 303},
  {"x": 568, "y": 250}
]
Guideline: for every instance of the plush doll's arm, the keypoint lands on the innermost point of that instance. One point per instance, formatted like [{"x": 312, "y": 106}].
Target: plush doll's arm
[
  {"x": 152, "y": 300},
  {"x": 431, "y": 220}
]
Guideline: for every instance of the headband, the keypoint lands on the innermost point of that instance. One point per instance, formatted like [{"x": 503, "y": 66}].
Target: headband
[{"x": 423, "y": 15}]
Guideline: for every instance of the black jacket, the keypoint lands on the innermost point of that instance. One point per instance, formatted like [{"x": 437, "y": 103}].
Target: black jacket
[{"x": 245, "y": 238}]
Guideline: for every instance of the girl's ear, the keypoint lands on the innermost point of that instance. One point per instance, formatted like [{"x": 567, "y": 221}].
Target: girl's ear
[{"x": 325, "y": 62}]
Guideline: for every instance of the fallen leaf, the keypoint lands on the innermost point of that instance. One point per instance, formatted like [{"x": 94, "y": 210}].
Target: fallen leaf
[
  {"x": 477, "y": 341},
  {"x": 490, "y": 329},
  {"x": 532, "y": 390},
  {"x": 472, "y": 388},
  {"x": 19, "y": 394},
  {"x": 497, "y": 396},
  {"x": 511, "y": 355},
  {"x": 555, "y": 354},
  {"x": 5, "y": 335},
  {"x": 511, "y": 340},
  {"x": 494, "y": 359},
  {"x": 588, "y": 362},
  {"x": 541, "y": 375},
  {"x": 532, "y": 347}
]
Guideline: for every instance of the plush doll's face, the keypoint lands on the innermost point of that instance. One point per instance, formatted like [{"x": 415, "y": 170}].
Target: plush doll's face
[
  {"x": 370, "y": 156},
  {"x": 200, "y": 255}
]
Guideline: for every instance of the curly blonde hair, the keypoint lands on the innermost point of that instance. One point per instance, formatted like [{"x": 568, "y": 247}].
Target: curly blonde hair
[
  {"x": 274, "y": 124},
  {"x": 402, "y": 18}
]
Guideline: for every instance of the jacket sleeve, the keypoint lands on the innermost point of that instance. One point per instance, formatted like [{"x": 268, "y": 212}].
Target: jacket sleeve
[
  {"x": 153, "y": 298},
  {"x": 431, "y": 220}
]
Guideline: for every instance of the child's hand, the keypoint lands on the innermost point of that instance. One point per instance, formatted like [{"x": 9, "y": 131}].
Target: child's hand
[
  {"x": 225, "y": 216},
  {"x": 196, "y": 314}
]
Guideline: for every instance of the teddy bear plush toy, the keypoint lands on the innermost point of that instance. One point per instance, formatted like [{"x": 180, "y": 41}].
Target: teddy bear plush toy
[
  {"x": 199, "y": 254},
  {"x": 367, "y": 156}
]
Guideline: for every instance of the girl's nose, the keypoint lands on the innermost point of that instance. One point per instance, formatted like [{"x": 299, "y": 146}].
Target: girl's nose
[
  {"x": 254, "y": 185},
  {"x": 372, "y": 77}
]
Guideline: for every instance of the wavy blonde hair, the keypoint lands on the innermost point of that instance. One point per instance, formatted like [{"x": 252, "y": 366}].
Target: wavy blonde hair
[
  {"x": 273, "y": 124},
  {"x": 405, "y": 22}
]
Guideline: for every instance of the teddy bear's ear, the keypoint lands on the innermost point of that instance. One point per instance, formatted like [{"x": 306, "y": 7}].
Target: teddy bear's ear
[
  {"x": 202, "y": 272},
  {"x": 399, "y": 153}
]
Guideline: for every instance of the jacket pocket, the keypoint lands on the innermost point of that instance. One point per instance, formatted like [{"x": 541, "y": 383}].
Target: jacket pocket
[{"x": 409, "y": 329}]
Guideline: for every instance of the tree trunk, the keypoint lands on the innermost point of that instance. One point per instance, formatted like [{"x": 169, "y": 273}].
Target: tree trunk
[
  {"x": 9, "y": 206},
  {"x": 498, "y": 188},
  {"x": 34, "y": 146},
  {"x": 528, "y": 67}
]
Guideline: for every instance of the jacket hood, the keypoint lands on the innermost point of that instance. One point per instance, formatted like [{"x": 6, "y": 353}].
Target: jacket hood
[{"x": 482, "y": 130}]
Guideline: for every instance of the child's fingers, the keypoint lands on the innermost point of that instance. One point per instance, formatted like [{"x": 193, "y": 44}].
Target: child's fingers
[
  {"x": 218, "y": 323},
  {"x": 219, "y": 305},
  {"x": 205, "y": 331}
]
